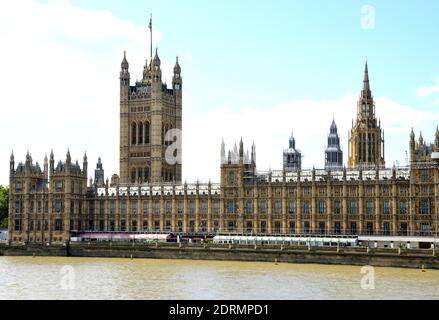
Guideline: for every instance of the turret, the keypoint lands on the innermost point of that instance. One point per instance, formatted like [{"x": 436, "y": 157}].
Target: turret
[
  {"x": 247, "y": 159},
  {"x": 124, "y": 73},
  {"x": 124, "y": 76},
  {"x": 99, "y": 175},
  {"x": 412, "y": 137},
  {"x": 68, "y": 160},
  {"x": 46, "y": 167},
  {"x": 223, "y": 152},
  {"x": 436, "y": 140},
  {"x": 235, "y": 159},
  {"x": 333, "y": 153},
  {"x": 28, "y": 160},
  {"x": 156, "y": 70},
  {"x": 177, "y": 80},
  {"x": 146, "y": 72},
  {"x": 412, "y": 145},
  {"x": 292, "y": 142},
  {"x": 12, "y": 163},
  {"x": 85, "y": 164},
  {"x": 253, "y": 156},
  {"x": 292, "y": 158},
  {"x": 421, "y": 139},
  {"x": 52, "y": 162},
  {"x": 241, "y": 151}
]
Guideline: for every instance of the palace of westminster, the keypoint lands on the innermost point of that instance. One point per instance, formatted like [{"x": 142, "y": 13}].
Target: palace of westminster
[{"x": 48, "y": 204}]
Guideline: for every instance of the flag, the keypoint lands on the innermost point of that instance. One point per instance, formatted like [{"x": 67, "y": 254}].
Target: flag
[{"x": 150, "y": 24}]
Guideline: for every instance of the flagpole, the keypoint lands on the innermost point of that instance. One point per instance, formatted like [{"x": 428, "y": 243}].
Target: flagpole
[{"x": 150, "y": 28}]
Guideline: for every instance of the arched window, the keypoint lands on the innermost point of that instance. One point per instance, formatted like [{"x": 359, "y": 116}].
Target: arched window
[
  {"x": 140, "y": 133},
  {"x": 134, "y": 134},
  {"x": 140, "y": 175},
  {"x": 133, "y": 175},
  {"x": 147, "y": 175},
  {"x": 147, "y": 133}
]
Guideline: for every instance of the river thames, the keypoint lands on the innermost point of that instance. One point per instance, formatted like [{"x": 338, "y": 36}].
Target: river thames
[{"x": 74, "y": 278}]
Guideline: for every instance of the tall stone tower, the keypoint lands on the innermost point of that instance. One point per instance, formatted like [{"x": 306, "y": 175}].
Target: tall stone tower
[
  {"x": 366, "y": 139},
  {"x": 150, "y": 125},
  {"x": 333, "y": 153}
]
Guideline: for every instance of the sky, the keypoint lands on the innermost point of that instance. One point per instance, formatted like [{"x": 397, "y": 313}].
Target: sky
[{"x": 259, "y": 70}]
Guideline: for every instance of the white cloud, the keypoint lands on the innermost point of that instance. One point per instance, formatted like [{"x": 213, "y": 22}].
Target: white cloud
[
  {"x": 424, "y": 91},
  {"x": 60, "y": 89},
  {"x": 60, "y": 79},
  {"x": 309, "y": 120}
]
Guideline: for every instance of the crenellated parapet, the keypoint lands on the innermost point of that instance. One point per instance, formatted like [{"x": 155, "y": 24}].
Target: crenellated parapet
[
  {"x": 338, "y": 175},
  {"x": 195, "y": 189}
]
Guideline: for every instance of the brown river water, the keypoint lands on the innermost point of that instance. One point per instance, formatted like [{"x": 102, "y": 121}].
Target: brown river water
[{"x": 75, "y": 278}]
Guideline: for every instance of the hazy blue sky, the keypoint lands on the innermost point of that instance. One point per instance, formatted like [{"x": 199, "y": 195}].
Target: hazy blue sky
[
  {"x": 278, "y": 51},
  {"x": 257, "y": 69}
]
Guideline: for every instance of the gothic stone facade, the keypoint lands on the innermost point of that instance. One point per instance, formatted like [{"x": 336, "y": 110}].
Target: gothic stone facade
[
  {"x": 47, "y": 205},
  {"x": 148, "y": 111},
  {"x": 380, "y": 202}
]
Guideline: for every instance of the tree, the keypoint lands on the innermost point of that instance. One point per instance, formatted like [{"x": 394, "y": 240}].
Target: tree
[{"x": 4, "y": 205}]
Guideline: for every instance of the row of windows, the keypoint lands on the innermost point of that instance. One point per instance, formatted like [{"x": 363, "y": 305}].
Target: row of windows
[
  {"x": 156, "y": 207},
  {"x": 43, "y": 207},
  {"x": 365, "y": 145},
  {"x": 39, "y": 225},
  {"x": 134, "y": 226},
  {"x": 140, "y": 133},
  {"x": 75, "y": 187},
  {"x": 424, "y": 206},
  {"x": 232, "y": 207},
  {"x": 336, "y": 191},
  {"x": 140, "y": 175}
]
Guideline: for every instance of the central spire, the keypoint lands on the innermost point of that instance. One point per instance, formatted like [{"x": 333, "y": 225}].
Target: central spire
[
  {"x": 366, "y": 106},
  {"x": 366, "y": 84},
  {"x": 366, "y": 141}
]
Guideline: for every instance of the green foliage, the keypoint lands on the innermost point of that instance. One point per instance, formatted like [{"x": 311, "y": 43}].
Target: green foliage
[{"x": 4, "y": 204}]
